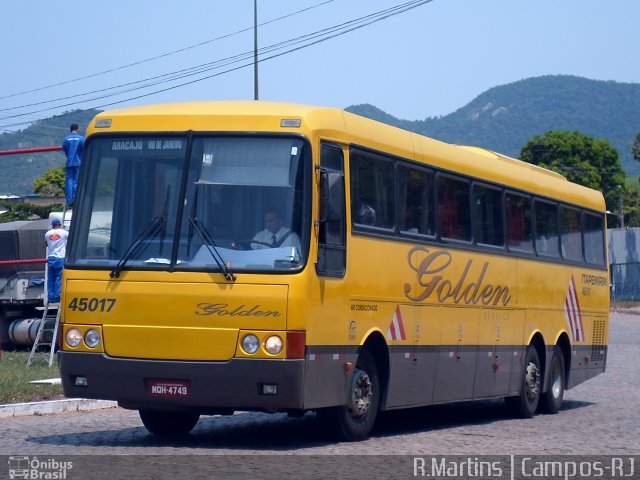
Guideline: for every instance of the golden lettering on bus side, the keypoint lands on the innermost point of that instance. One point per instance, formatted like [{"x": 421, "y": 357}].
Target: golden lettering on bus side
[{"x": 433, "y": 283}]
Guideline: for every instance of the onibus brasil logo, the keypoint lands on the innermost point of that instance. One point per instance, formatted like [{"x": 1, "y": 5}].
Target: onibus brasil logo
[{"x": 38, "y": 469}]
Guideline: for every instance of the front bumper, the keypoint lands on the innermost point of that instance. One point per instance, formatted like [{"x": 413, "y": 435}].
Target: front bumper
[{"x": 235, "y": 384}]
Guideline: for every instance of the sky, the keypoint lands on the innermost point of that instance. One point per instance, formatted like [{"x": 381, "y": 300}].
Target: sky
[{"x": 424, "y": 62}]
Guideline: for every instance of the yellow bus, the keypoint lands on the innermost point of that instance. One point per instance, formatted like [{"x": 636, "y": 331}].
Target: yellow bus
[{"x": 256, "y": 256}]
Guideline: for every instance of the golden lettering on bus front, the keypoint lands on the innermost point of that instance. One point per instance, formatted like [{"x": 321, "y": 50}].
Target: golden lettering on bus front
[
  {"x": 226, "y": 310},
  {"x": 470, "y": 287}
]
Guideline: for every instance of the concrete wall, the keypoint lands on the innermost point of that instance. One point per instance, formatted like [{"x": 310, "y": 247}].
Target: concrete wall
[{"x": 624, "y": 263}]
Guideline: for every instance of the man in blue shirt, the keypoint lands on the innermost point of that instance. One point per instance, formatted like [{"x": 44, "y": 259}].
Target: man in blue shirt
[{"x": 72, "y": 146}]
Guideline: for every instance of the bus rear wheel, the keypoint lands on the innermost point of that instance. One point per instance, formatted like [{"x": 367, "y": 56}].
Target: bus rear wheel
[
  {"x": 525, "y": 404},
  {"x": 168, "y": 424},
  {"x": 551, "y": 400},
  {"x": 354, "y": 421}
]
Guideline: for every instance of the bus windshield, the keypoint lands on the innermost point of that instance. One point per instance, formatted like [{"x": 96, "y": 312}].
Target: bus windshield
[{"x": 207, "y": 203}]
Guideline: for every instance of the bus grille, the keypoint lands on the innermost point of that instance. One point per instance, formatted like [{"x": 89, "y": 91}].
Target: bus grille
[{"x": 598, "y": 340}]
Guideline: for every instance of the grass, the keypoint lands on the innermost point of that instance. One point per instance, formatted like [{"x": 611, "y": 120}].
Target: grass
[{"x": 15, "y": 377}]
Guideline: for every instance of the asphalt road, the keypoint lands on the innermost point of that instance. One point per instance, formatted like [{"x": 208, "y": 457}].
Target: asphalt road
[{"x": 599, "y": 417}]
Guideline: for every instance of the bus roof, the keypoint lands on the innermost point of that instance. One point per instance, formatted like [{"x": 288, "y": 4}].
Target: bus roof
[{"x": 341, "y": 126}]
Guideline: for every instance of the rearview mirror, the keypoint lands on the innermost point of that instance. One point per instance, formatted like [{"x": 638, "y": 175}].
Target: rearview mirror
[{"x": 331, "y": 196}]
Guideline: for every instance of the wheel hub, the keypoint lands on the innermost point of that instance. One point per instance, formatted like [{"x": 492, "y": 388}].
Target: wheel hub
[
  {"x": 532, "y": 381},
  {"x": 556, "y": 387},
  {"x": 361, "y": 393}
]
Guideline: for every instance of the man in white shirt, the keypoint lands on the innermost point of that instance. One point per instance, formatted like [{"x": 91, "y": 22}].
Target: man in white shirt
[
  {"x": 56, "y": 239},
  {"x": 275, "y": 234}
]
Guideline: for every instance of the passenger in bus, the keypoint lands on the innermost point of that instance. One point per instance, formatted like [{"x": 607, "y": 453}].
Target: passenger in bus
[
  {"x": 275, "y": 234},
  {"x": 366, "y": 214},
  {"x": 542, "y": 245}
]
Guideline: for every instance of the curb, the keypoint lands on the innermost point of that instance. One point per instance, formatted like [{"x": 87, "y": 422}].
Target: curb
[{"x": 54, "y": 406}]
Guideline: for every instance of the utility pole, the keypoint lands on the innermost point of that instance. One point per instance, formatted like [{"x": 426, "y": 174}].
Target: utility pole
[
  {"x": 255, "y": 49},
  {"x": 621, "y": 211}
]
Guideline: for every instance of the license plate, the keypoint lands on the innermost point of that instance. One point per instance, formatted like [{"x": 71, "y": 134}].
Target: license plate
[{"x": 168, "y": 388}]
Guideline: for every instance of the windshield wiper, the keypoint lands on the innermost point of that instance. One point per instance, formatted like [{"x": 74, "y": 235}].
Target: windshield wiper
[
  {"x": 155, "y": 226},
  {"x": 203, "y": 233}
]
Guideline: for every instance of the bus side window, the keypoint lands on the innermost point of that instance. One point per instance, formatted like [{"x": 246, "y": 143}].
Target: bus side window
[
  {"x": 519, "y": 223},
  {"x": 372, "y": 190},
  {"x": 546, "y": 228},
  {"x": 488, "y": 215},
  {"x": 570, "y": 233},
  {"x": 594, "y": 238},
  {"x": 454, "y": 210},
  {"x": 415, "y": 201}
]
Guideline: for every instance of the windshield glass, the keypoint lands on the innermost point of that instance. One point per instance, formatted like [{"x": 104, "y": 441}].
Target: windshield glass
[{"x": 241, "y": 204}]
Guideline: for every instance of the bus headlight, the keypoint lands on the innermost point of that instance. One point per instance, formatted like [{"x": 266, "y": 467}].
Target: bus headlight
[
  {"x": 92, "y": 338},
  {"x": 273, "y": 345},
  {"x": 250, "y": 344},
  {"x": 73, "y": 337}
]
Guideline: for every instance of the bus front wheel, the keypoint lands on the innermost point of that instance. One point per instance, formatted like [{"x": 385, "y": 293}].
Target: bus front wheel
[
  {"x": 551, "y": 400},
  {"x": 525, "y": 404},
  {"x": 354, "y": 421},
  {"x": 168, "y": 424}
]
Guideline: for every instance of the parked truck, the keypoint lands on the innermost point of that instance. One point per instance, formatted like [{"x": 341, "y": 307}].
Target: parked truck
[{"x": 22, "y": 280}]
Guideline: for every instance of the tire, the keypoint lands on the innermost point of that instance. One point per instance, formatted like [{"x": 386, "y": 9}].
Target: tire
[
  {"x": 168, "y": 424},
  {"x": 551, "y": 400},
  {"x": 353, "y": 422},
  {"x": 525, "y": 404}
]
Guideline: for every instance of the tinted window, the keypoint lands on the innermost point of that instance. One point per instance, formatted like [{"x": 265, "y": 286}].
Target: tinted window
[
  {"x": 594, "y": 238},
  {"x": 547, "y": 229},
  {"x": 454, "y": 213},
  {"x": 415, "y": 194},
  {"x": 570, "y": 233},
  {"x": 487, "y": 203},
  {"x": 372, "y": 195},
  {"x": 519, "y": 231}
]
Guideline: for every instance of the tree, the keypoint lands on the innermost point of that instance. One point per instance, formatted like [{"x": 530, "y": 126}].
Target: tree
[
  {"x": 51, "y": 184},
  {"x": 635, "y": 148},
  {"x": 27, "y": 211},
  {"x": 591, "y": 162}
]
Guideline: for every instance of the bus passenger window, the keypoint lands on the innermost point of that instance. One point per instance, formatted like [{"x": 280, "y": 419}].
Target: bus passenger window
[
  {"x": 546, "y": 229},
  {"x": 454, "y": 212},
  {"x": 570, "y": 234},
  {"x": 415, "y": 201},
  {"x": 488, "y": 209},
  {"x": 372, "y": 190},
  {"x": 594, "y": 238},
  {"x": 519, "y": 227}
]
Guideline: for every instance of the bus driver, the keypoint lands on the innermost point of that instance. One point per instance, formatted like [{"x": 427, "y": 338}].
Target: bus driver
[{"x": 274, "y": 233}]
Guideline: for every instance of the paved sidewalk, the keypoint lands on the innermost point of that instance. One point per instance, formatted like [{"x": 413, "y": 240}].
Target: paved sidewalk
[{"x": 53, "y": 406}]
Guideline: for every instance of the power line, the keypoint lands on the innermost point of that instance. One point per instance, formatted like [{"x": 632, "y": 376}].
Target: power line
[
  {"x": 163, "y": 55},
  {"x": 302, "y": 41}
]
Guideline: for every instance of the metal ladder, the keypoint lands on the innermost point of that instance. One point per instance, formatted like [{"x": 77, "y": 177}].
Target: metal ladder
[
  {"x": 50, "y": 321},
  {"x": 47, "y": 332}
]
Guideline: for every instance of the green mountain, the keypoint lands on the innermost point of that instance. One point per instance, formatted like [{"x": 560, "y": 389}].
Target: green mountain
[
  {"x": 19, "y": 171},
  {"x": 504, "y": 118}
]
